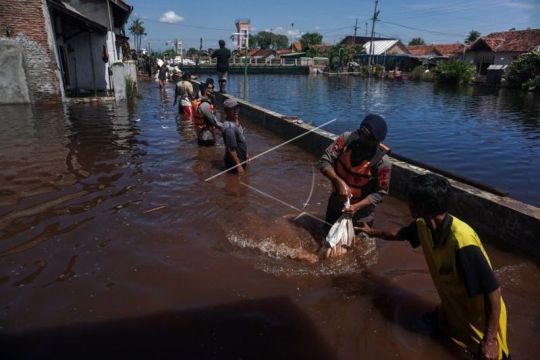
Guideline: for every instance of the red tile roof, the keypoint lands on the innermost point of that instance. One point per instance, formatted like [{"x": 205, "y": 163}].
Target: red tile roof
[
  {"x": 422, "y": 50},
  {"x": 449, "y": 49},
  {"x": 510, "y": 41},
  {"x": 436, "y": 49}
]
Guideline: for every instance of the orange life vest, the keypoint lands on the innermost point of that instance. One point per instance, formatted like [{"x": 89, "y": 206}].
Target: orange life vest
[
  {"x": 357, "y": 177},
  {"x": 198, "y": 117}
]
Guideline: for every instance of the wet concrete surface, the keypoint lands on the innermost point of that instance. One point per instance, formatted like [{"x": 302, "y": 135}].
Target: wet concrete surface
[{"x": 112, "y": 243}]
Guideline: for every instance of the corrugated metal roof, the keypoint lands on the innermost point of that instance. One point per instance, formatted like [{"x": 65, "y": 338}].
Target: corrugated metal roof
[{"x": 380, "y": 46}]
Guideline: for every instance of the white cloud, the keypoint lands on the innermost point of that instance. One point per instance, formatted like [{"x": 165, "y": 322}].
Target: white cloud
[
  {"x": 519, "y": 5},
  {"x": 293, "y": 33},
  {"x": 171, "y": 17}
]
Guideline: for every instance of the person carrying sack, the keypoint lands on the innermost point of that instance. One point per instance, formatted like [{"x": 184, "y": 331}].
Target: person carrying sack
[{"x": 358, "y": 166}]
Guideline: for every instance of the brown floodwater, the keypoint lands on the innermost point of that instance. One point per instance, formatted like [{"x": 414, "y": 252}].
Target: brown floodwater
[{"x": 112, "y": 244}]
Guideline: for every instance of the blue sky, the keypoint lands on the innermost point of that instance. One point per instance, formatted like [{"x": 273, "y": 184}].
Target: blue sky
[{"x": 436, "y": 21}]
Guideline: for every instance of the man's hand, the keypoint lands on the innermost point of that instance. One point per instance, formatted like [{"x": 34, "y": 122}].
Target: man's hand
[
  {"x": 343, "y": 189},
  {"x": 351, "y": 210},
  {"x": 489, "y": 349}
]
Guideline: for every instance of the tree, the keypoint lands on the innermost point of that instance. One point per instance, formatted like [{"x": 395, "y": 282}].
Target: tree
[
  {"x": 279, "y": 41},
  {"x": 417, "y": 41},
  {"x": 454, "y": 72},
  {"x": 137, "y": 30},
  {"x": 524, "y": 72},
  {"x": 263, "y": 39},
  {"x": 192, "y": 52},
  {"x": 269, "y": 40},
  {"x": 310, "y": 39},
  {"x": 473, "y": 35}
]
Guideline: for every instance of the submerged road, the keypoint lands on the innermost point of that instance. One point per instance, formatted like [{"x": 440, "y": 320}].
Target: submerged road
[{"x": 112, "y": 243}]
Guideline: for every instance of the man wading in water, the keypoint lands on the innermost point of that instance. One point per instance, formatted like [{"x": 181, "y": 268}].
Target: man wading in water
[
  {"x": 359, "y": 169},
  {"x": 472, "y": 312}
]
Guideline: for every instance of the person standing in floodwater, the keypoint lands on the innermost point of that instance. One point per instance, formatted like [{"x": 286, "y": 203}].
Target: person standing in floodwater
[
  {"x": 204, "y": 117},
  {"x": 222, "y": 55},
  {"x": 359, "y": 168},
  {"x": 233, "y": 137},
  {"x": 184, "y": 90},
  {"x": 162, "y": 75},
  {"x": 472, "y": 312}
]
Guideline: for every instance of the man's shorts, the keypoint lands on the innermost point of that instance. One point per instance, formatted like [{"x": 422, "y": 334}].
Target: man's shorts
[{"x": 222, "y": 75}]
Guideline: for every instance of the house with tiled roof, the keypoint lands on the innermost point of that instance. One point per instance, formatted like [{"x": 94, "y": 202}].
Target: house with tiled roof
[
  {"x": 430, "y": 54},
  {"x": 501, "y": 48}
]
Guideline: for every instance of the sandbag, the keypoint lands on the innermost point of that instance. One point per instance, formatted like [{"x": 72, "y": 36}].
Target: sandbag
[{"x": 342, "y": 232}]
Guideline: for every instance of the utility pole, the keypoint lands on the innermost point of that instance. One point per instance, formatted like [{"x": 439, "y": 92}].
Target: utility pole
[
  {"x": 375, "y": 15},
  {"x": 366, "y": 28},
  {"x": 355, "y": 28}
]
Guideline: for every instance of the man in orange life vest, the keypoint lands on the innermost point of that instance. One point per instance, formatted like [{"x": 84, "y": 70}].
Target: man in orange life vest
[{"x": 359, "y": 168}]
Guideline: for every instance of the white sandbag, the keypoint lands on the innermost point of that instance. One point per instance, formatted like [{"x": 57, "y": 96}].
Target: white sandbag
[{"x": 342, "y": 232}]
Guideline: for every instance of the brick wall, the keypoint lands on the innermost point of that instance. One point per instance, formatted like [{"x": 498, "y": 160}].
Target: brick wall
[{"x": 26, "y": 20}]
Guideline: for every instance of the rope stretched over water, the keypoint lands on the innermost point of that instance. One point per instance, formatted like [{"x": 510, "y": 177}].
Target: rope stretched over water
[{"x": 271, "y": 149}]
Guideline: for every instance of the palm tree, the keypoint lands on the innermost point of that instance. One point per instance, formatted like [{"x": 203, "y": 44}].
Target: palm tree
[
  {"x": 137, "y": 30},
  {"x": 473, "y": 35}
]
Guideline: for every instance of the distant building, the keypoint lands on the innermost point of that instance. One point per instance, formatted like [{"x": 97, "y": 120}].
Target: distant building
[
  {"x": 501, "y": 48},
  {"x": 68, "y": 45},
  {"x": 242, "y": 27},
  {"x": 430, "y": 54}
]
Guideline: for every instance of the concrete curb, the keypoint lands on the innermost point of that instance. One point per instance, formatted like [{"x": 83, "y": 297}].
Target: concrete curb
[{"x": 509, "y": 223}]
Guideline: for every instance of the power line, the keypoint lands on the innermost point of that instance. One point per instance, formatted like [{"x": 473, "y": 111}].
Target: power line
[{"x": 420, "y": 29}]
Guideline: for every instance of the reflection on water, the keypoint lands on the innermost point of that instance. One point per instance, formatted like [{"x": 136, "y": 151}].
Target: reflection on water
[
  {"x": 109, "y": 231},
  {"x": 489, "y": 135}
]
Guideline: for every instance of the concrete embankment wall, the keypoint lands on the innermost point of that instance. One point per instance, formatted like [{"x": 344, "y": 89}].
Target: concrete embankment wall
[
  {"x": 509, "y": 223},
  {"x": 255, "y": 69}
]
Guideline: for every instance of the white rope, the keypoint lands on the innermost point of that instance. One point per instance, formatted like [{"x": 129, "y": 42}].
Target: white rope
[
  {"x": 271, "y": 149},
  {"x": 285, "y": 203}
]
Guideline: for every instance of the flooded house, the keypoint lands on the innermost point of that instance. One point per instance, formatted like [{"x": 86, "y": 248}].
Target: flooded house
[
  {"x": 499, "y": 49},
  {"x": 60, "y": 48}
]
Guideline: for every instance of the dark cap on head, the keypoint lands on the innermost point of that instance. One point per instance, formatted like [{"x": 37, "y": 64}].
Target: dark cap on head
[{"x": 375, "y": 126}]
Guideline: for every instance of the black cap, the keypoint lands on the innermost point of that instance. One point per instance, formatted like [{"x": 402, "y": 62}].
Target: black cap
[{"x": 375, "y": 126}]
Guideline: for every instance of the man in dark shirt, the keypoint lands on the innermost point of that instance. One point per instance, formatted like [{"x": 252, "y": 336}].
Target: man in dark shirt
[
  {"x": 222, "y": 55},
  {"x": 472, "y": 311},
  {"x": 233, "y": 137}
]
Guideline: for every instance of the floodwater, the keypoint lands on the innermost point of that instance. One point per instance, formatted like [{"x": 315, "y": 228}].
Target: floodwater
[
  {"x": 488, "y": 135},
  {"x": 112, "y": 244}
]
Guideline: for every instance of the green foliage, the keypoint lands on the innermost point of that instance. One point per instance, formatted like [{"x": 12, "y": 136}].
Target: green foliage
[
  {"x": 378, "y": 71},
  {"x": 132, "y": 92},
  {"x": 269, "y": 40},
  {"x": 309, "y": 39},
  {"x": 473, "y": 35},
  {"x": 417, "y": 41},
  {"x": 524, "y": 72},
  {"x": 339, "y": 55},
  {"x": 137, "y": 30},
  {"x": 454, "y": 72},
  {"x": 421, "y": 73},
  {"x": 192, "y": 52}
]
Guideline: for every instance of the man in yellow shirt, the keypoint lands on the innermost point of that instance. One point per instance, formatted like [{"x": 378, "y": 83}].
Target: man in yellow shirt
[{"x": 472, "y": 311}]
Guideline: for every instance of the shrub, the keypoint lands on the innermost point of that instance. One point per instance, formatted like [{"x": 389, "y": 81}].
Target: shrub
[
  {"x": 454, "y": 72},
  {"x": 524, "y": 72},
  {"x": 378, "y": 70},
  {"x": 421, "y": 73}
]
